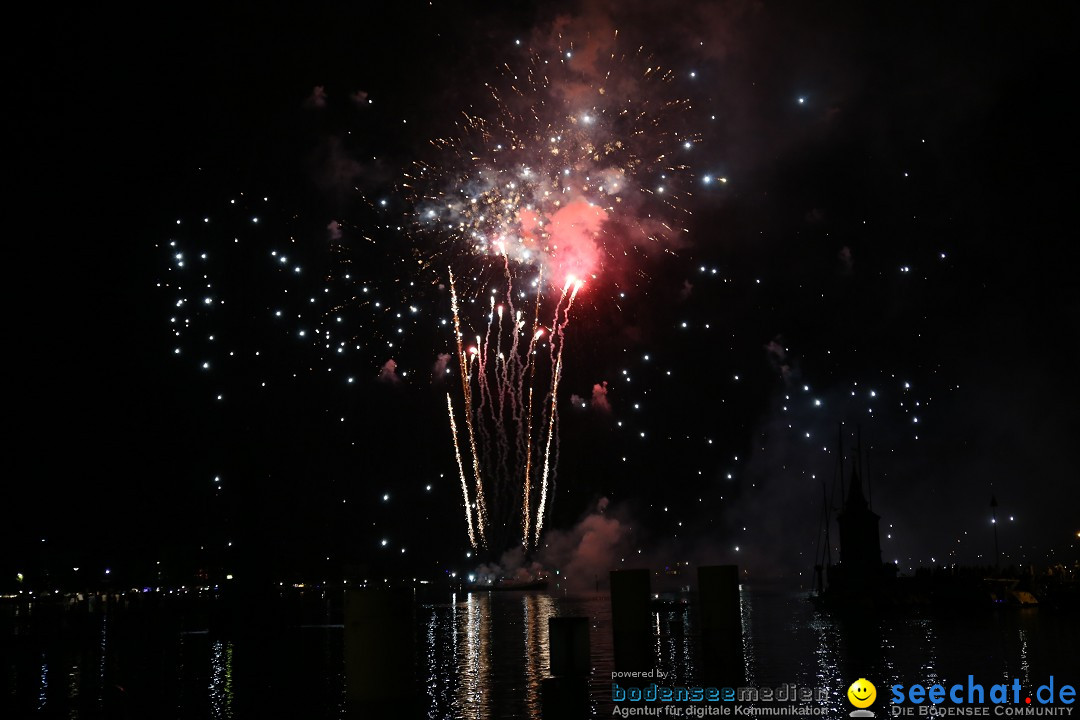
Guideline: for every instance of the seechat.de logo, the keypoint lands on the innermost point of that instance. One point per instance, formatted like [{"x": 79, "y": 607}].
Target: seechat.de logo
[{"x": 862, "y": 694}]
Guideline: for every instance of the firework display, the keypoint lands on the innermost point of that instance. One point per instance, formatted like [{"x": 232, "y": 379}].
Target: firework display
[
  {"x": 376, "y": 357},
  {"x": 570, "y": 171},
  {"x": 547, "y": 255},
  {"x": 574, "y": 173}
]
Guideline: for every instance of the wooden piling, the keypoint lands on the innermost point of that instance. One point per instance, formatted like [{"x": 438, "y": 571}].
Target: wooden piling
[
  {"x": 630, "y": 617},
  {"x": 721, "y": 625}
]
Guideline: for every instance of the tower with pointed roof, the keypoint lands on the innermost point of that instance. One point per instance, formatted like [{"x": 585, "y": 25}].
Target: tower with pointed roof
[{"x": 860, "y": 541}]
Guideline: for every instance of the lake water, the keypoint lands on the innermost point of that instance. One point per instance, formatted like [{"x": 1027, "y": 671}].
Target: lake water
[{"x": 483, "y": 655}]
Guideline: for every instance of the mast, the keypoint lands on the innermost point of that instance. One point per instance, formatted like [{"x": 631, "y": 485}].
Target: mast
[
  {"x": 822, "y": 557},
  {"x": 864, "y": 472},
  {"x": 993, "y": 521},
  {"x": 858, "y": 454},
  {"x": 869, "y": 486},
  {"x": 828, "y": 541},
  {"x": 840, "y": 457}
]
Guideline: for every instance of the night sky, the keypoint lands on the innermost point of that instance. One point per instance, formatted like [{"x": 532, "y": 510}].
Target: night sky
[{"x": 889, "y": 248}]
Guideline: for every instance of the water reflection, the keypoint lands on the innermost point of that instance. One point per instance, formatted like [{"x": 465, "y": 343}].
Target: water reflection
[
  {"x": 221, "y": 680},
  {"x": 750, "y": 660},
  {"x": 1025, "y": 666},
  {"x": 537, "y": 610},
  {"x": 824, "y": 664},
  {"x": 924, "y": 631},
  {"x": 475, "y": 662},
  {"x": 675, "y": 654},
  {"x": 102, "y": 649},
  {"x": 484, "y": 657},
  {"x": 43, "y": 684},
  {"x": 74, "y": 682},
  {"x": 888, "y": 653}
]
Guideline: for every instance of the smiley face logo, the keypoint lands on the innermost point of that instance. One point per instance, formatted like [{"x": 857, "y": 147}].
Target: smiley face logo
[{"x": 862, "y": 693}]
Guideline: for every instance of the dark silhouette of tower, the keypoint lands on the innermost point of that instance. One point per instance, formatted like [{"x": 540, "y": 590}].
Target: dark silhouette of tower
[{"x": 860, "y": 542}]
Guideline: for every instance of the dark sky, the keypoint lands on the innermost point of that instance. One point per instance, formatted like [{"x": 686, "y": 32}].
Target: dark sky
[{"x": 898, "y": 211}]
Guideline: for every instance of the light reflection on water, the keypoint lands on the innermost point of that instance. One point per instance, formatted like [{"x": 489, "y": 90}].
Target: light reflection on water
[
  {"x": 103, "y": 651},
  {"x": 826, "y": 657},
  {"x": 44, "y": 688},
  {"x": 221, "y": 678},
  {"x": 483, "y": 656},
  {"x": 475, "y": 670},
  {"x": 74, "y": 682},
  {"x": 1025, "y": 666},
  {"x": 746, "y": 611},
  {"x": 537, "y": 609}
]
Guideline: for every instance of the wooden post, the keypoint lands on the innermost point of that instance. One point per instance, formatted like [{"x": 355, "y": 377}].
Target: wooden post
[
  {"x": 566, "y": 696},
  {"x": 721, "y": 625},
  {"x": 569, "y": 646},
  {"x": 630, "y": 616},
  {"x": 379, "y": 651}
]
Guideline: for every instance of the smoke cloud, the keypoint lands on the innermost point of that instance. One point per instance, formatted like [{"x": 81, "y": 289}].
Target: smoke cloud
[
  {"x": 599, "y": 398},
  {"x": 847, "y": 263},
  {"x": 597, "y": 402},
  {"x": 582, "y": 555},
  {"x": 439, "y": 370},
  {"x": 333, "y": 168},
  {"x": 686, "y": 291},
  {"x": 388, "y": 372},
  {"x": 317, "y": 98},
  {"x": 778, "y": 358}
]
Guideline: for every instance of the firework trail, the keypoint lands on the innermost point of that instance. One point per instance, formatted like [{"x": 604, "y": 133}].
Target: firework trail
[
  {"x": 527, "y": 489},
  {"x": 505, "y": 382},
  {"x": 553, "y": 414},
  {"x": 464, "y": 362},
  {"x": 461, "y": 472}
]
